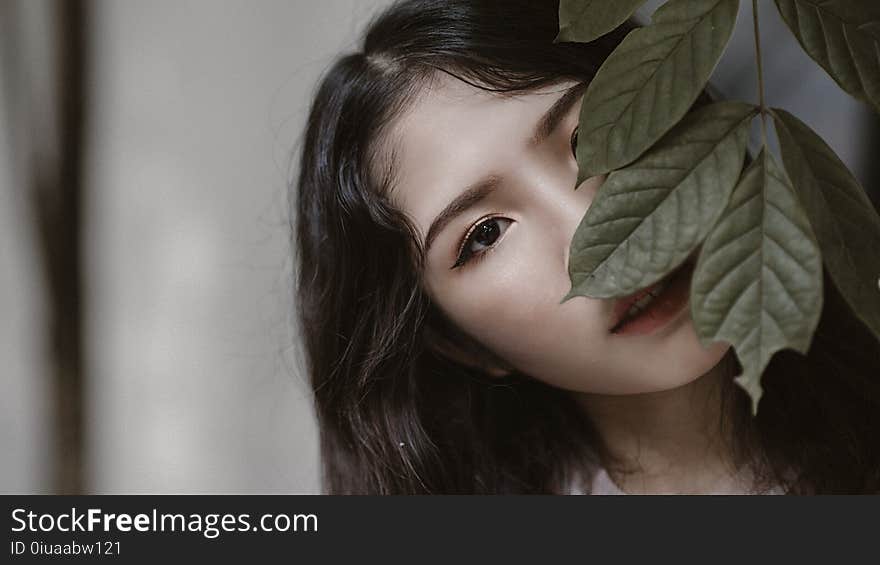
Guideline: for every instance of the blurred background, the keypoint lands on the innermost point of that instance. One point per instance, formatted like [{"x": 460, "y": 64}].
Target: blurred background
[{"x": 146, "y": 337}]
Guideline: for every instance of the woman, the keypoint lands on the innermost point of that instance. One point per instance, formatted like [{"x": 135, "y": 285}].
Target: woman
[{"x": 433, "y": 216}]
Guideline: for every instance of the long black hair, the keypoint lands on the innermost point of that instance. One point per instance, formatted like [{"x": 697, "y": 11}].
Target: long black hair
[{"x": 395, "y": 415}]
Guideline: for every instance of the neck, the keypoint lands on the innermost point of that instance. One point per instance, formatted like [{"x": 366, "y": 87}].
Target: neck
[{"x": 669, "y": 441}]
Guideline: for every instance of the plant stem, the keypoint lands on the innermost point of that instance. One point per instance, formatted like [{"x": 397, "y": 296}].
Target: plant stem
[{"x": 758, "y": 57}]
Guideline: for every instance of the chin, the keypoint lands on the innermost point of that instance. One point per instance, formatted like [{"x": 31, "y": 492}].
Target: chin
[
  {"x": 689, "y": 360},
  {"x": 696, "y": 363},
  {"x": 678, "y": 370}
]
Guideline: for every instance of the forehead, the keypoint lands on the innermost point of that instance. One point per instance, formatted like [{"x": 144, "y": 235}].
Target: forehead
[{"x": 452, "y": 135}]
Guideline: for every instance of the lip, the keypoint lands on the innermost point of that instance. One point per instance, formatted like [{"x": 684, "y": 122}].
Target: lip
[{"x": 662, "y": 309}]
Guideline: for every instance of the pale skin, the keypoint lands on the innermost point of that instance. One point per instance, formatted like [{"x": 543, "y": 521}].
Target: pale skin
[{"x": 653, "y": 398}]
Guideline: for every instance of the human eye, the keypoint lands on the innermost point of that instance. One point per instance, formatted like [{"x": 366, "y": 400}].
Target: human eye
[
  {"x": 574, "y": 141},
  {"x": 480, "y": 239}
]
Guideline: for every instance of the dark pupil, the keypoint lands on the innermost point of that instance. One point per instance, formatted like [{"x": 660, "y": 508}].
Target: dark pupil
[{"x": 487, "y": 233}]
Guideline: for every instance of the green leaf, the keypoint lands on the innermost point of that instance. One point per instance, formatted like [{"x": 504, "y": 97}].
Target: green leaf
[
  {"x": 586, "y": 20},
  {"x": 843, "y": 36},
  {"x": 650, "y": 82},
  {"x": 646, "y": 219},
  {"x": 758, "y": 281},
  {"x": 841, "y": 214}
]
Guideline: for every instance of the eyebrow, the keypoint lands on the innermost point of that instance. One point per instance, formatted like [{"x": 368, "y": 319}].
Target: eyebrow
[
  {"x": 474, "y": 194},
  {"x": 552, "y": 117}
]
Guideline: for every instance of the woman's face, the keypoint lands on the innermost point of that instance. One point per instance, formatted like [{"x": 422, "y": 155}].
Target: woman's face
[{"x": 505, "y": 289}]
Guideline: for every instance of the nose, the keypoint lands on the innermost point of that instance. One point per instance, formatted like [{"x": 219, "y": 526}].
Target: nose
[{"x": 573, "y": 204}]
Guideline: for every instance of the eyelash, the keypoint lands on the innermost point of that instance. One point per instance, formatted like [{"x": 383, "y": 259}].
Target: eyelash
[{"x": 463, "y": 257}]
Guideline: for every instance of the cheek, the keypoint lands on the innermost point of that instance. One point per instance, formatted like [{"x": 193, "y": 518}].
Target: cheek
[
  {"x": 515, "y": 312},
  {"x": 512, "y": 306}
]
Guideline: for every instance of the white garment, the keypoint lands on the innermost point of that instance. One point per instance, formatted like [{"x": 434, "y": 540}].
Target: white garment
[{"x": 603, "y": 485}]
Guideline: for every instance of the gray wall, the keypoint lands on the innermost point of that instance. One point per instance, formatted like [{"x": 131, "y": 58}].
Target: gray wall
[
  {"x": 195, "y": 385},
  {"x": 199, "y": 103}
]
